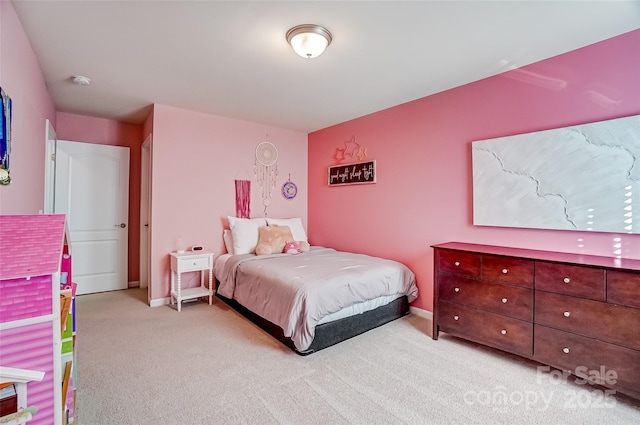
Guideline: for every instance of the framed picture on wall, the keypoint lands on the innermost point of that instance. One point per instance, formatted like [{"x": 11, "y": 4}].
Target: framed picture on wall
[
  {"x": 5, "y": 137},
  {"x": 584, "y": 177}
]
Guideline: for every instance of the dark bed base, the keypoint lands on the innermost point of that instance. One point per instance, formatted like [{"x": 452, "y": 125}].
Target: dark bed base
[{"x": 331, "y": 333}]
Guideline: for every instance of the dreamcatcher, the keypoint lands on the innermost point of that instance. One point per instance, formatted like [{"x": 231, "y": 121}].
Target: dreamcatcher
[
  {"x": 266, "y": 170},
  {"x": 289, "y": 189}
]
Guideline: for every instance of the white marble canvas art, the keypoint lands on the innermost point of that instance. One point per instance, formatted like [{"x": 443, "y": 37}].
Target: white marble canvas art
[{"x": 584, "y": 177}]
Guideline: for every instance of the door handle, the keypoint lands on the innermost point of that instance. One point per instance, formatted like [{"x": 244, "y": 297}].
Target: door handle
[{"x": 123, "y": 225}]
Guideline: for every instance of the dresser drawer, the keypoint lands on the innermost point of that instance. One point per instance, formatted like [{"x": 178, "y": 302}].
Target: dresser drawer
[
  {"x": 623, "y": 288},
  {"x": 572, "y": 352},
  {"x": 512, "y": 335},
  {"x": 460, "y": 263},
  {"x": 607, "y": 322},
  {"x": 507, "y": 270},
  {"x": 579, "y": 281},
  {"x": 501, "y": 299}
]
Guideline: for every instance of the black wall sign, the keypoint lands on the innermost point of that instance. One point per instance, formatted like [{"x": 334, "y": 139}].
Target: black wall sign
[{"x": 361, "y": 172}]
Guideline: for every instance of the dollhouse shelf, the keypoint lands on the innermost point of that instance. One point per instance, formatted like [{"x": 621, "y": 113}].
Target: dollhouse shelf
[{"x": 12, "y": 374}]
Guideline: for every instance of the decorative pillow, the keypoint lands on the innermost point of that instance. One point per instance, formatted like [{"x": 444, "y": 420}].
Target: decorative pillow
[
  {"x": 295, "y": 224},
  {"x": 271, "y": 239},
  {"x": 244, "y": 232},
  {"x": 228, "y": 240}
]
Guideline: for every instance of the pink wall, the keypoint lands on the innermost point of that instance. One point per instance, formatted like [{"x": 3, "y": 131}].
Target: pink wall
[
  {"x": 21, "y": 78},
  {"x": 79, "y": 128},
  {"x": 196, "y": 158},
  {"x": 423, "y": 151}
]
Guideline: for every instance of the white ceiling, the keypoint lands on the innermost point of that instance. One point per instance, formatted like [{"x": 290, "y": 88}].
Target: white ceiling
[{"x": 230, "y": 58}]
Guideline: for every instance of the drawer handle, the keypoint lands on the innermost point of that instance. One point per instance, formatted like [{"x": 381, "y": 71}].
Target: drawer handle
[
  {"x": 566, "y": 314},
  {"x": 504, "y": 300},
  {"x": 566, "y": 280},
  {"x": 505, "y": 271},
  {"x": 456, "y": 317},
  {"x": 456, "y": 289},
  {"x": 457, "y": 263},
  {"x": 565, "y": 350},
  {"x": 503, "y": 332}
]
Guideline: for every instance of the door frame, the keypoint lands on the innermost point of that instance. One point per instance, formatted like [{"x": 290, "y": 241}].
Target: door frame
[
  {"x": 145, "y": 216},
  {"x": 50, "y": 141}
]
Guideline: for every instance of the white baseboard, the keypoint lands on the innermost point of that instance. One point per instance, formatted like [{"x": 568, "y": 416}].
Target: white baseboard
[
  {"x": 134, "y": 284},
  {"x": 159, "y": 302},
  {"x": 425, "y": 314}
]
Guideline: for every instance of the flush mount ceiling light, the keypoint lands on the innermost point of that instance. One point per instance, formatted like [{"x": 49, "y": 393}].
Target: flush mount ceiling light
[{"x": 309, "y": 40}]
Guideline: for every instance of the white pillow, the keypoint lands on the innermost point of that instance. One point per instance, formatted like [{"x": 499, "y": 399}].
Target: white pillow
[
  {"x": 244, "y": 232},
  {"x": 228, "y": 240},
  {"x": 295, "y": 224}
]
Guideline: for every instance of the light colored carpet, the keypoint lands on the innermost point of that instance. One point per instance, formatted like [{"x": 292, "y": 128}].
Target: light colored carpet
[{"x": 209, "y": 365}]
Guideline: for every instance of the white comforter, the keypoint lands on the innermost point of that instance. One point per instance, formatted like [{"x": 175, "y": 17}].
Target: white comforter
[{"x": 296, "y": 291}]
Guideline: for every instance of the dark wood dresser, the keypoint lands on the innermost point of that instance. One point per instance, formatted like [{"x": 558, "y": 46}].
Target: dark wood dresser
[{"x": 578, "y": 313}]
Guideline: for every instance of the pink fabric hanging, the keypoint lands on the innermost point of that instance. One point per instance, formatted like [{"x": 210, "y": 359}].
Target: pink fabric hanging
[{"x": 243, "y": 198}]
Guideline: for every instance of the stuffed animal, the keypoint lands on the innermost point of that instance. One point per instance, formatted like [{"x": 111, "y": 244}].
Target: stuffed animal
[
  {"x": 296, "y": 247},
  {"x": 292, "y": 248}
]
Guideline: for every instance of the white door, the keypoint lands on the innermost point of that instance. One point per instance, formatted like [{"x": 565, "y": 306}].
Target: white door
[{"x": 92, "y": 188}]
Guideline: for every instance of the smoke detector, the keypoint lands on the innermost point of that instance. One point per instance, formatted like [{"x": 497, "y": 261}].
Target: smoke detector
[{"x": 80, "y": 80}]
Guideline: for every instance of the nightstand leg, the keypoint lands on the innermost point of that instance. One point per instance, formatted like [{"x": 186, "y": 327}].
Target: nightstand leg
[
  {"x": 179, "y": 293},
  {"x": 210, "y": 286},
  {"x": 173, "y": 286}
]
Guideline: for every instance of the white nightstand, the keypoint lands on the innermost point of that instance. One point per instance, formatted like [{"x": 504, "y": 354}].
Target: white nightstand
[{"x": 191, "y": 262}]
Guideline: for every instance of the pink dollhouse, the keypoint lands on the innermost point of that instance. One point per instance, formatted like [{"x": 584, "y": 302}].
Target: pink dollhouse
[{"x": 36, "y": 385}]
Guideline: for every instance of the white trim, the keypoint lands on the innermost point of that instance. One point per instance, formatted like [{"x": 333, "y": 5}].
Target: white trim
[
  {"x": 133, "y": 284},
  {"x": 57, "y": 349},
  {"x": 26, "y": 322},
  {"x": 12, "y": 374},
  {"x": 425, "y": 314},
  {"x": 49, "y": 167},
  {"x": 145, "y": 216},
  {"x": 159, "y": 302}
]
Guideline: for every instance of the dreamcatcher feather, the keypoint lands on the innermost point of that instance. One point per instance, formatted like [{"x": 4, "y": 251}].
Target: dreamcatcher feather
[{"x": 266, "y": 170}]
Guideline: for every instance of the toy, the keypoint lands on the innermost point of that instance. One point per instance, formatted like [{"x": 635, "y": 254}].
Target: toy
[
  {"x": 296, "y": 247},
  {"x": 292, "y": 248}
]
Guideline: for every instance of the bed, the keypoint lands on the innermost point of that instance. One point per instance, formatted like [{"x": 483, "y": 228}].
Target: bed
[{"x": 315, "y": 299}]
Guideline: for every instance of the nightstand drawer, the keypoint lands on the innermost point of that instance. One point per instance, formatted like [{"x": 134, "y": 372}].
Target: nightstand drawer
[
  {"x": 512, "y": 335},
  {"x": 193, "y": 263},
  {"x": 496, "y": 298},
  {"x": 585, "y": 282}
]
